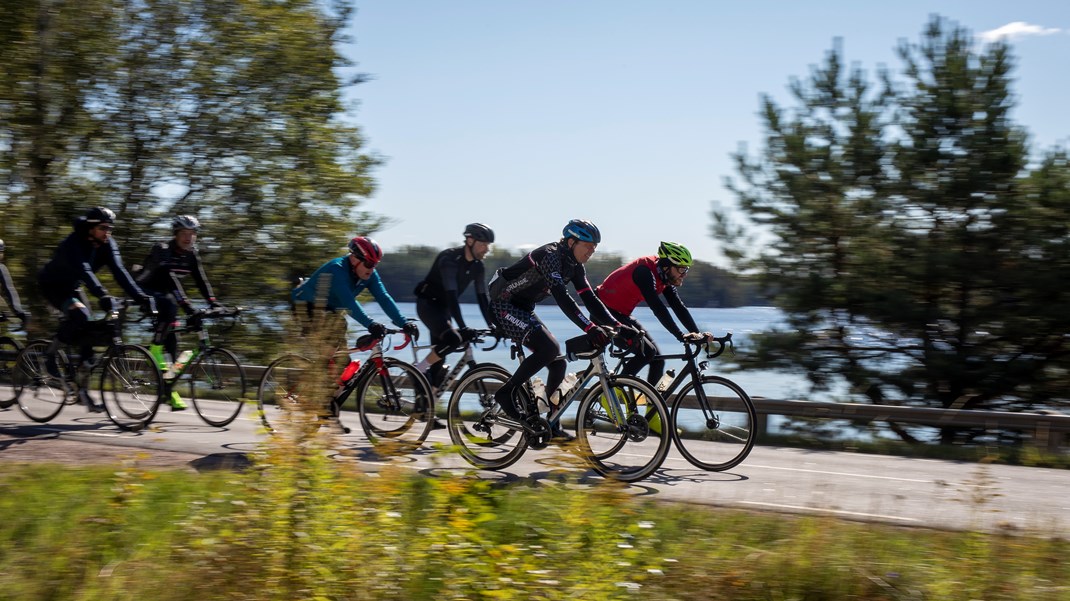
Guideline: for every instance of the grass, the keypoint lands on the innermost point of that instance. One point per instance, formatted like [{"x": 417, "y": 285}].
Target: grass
[{"x": 303, "y": 526}]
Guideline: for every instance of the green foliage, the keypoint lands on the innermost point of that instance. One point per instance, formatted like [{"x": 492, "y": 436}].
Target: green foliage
[
  {"x": 913, "y": 246},
  {"x": 229, "y": 110},
  {"x": 301, "y": 525}
]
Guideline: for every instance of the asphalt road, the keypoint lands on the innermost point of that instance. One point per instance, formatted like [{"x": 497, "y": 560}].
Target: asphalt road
[{"x": 895, "y": 490}]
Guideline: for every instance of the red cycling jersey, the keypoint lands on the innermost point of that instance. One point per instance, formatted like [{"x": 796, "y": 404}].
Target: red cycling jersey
[{"x": 620, "y": 292}]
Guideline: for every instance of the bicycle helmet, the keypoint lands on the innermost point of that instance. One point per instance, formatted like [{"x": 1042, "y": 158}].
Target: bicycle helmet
[
  {"x": 185, "y": 222},
  {"x": 1, "y": 246},
  {"x": 582, "y": 230},
  {"x": 479, "y": 232},
  {"x": 366, "y": 250},
  {"x": 99, "y": 215},
  {"x": 675, "y": 254}
]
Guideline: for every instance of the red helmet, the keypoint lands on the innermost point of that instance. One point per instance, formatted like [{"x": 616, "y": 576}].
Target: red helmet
[{"x": 366, "y": 250}]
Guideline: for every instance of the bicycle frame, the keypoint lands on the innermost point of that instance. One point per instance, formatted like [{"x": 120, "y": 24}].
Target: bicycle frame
[
  {"x": 466, "y": 362},
  {"x": 195, "y": 323}
]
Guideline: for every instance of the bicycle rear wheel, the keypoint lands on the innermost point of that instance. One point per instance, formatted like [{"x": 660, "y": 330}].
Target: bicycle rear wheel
[
  {"x": 721, "y": 438},
  {"x": 472, "y": 420},
  {"x": 217, "y": 387},
  {"x": 281, "y": 385},
  {"x": 40, "y": 396},
  {"x": 131, "y": 386},
  {"x": 395, "y": 404},
  {"x": 9, "y": 350},
  {"x": 627, "y": 449}
]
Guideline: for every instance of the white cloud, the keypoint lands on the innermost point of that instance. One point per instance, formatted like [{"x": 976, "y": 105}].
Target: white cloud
[{"x": 1016, "y": 30}]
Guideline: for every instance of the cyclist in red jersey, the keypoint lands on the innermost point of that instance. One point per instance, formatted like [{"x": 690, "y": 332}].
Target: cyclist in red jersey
[{"x": 648, "y": 279}]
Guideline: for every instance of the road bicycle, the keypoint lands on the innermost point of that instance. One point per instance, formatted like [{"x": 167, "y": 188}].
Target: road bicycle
[
  {"x": 9, "y": 349},
  {"x": 211, "y": 377},
  {"x": 127, "y": 371},
  {"x": 712, "y": 418},
  {"x": 392, "y": 397},
  {"x": 616, "y": 420}
]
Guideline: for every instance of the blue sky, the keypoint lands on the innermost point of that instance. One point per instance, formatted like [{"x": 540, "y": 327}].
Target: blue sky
[{"x": 524, "y": 114}]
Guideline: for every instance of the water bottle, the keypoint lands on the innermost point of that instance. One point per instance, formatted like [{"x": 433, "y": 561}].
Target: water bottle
[
  {"x": 539, "y": 389},
  {"x": 565, "y": 388},
  {"x": 663, "y": 383},
  {"x": 176, "y": 367}
]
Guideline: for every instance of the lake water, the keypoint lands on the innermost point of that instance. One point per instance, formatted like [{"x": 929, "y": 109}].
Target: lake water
[{"x": 741, "y": 321}]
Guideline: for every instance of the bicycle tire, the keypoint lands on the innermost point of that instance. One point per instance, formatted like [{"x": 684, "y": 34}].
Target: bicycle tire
[
  {"x": 470, "y": 418},
  {"x": 281, "y": 384},
  {"x": 217, "y": 386},
  {"x": 720, "y": 445},
  {"x": 395, "y": 404},
  {"x": 40, "y": 396},
  {"x": 9, "y": 352},
  {"x": 626, "y": 452},
  {"x": 131, "y": 386}
]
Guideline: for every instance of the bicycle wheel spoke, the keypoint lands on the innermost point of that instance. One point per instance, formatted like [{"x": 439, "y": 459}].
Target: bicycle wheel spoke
[
  {"x": 622, "y": 434},
  {"x": 130, "y": 385},
  {"x": 717, "y": 437},
  {"x": 40, "y": 396},
  {"x": 395, "y": 404},
  {"x": 216, "y": 387},
  {"x": 281, "y": 387},
  {"x": 472, "y": 421}
]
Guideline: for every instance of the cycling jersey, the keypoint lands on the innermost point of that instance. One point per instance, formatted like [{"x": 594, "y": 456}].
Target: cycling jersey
[
  {"x": 167, "y": 264},
  {"x": 638, "y": 281},
  {"x": 450, "y": 275},
  {"x": 339, "y": 289},
  {"x": 544, "y": 271},
  {"x": 76, "y": 262}
]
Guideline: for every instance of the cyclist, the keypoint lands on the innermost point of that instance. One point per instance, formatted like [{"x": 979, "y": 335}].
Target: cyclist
[
  {"x": 514, "y": 292},
  {"x": 75, "y": 262},
  {"x": 644, "y": 279},
  {"x": 336, "y": 284},
  {"x": 437, "y": 297},
  {"x": 167, "y": 263},
  {"x": 7, "y": 290}
]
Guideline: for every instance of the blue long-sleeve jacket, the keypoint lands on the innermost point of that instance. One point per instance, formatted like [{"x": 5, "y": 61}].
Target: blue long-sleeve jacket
[{"x": 334, "y": 287}]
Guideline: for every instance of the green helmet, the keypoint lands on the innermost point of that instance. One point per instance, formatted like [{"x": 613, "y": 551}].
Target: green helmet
[{"x": 675, "y": 253}]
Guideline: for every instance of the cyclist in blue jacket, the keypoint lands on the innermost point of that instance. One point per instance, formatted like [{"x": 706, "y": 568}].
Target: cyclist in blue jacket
[{"x": 337, "y": 283}]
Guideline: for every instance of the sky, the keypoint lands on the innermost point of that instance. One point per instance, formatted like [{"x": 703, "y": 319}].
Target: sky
[{"x": 523, "y": 114}]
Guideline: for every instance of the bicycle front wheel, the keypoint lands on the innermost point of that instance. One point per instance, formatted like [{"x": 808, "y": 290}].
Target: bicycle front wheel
[
  {"x": 472, "y": 420},
  {"x": 131, "y": 386},
  {"x": 720, "y": 435},
  {"x": 9, "y": 350},
  {"x": 395, "y": 403},
  {"x": 40, "y": 396},
  {"x": 281, "y": 386},
  {"x": 217, "y": 387},
  {"x": 623, "y": 435}
]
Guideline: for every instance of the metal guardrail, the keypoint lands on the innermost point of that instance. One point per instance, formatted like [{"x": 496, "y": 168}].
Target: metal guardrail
[
  {"x": 1050, "y": 431},
  {"x": 1047, "y": 430}
]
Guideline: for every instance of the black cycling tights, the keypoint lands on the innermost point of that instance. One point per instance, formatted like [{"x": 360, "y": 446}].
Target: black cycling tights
[{"x": 545, "y": 352}]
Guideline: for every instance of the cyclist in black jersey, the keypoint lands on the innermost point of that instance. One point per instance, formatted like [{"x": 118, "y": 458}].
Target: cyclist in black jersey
[
  {"x": 76, "y": 260},
  {"x": 545, "y": 271},
  {"x": 7, "y": 291},
  {"x": 437, "y": 297},
  {"x": 167, "y": 263}
]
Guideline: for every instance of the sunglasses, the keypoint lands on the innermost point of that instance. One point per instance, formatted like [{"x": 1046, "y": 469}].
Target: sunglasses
[
  {"x": 368, "y": 264},
  {"x": 681, "y": 270},
  {"x": 106, "y": 227}
]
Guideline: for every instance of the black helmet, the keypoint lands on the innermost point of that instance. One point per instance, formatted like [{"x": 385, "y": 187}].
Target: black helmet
[
  {"x": 185, "y": 222},
  {"x": 480, "y": 232},
  {"x": 582, "y": 230},
  {"x": 99, "y": 215}
]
